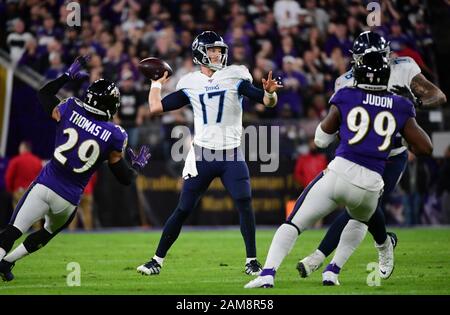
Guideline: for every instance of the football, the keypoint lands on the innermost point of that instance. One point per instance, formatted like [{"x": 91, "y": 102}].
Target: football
[{"x": 153, "y": 68}]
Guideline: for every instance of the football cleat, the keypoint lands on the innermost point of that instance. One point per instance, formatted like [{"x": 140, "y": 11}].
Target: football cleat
[
  {"x": 260, "y": 282},
  {"x": 253, "y": 268},
  {"x": 150, "y": 268},
  {"x": 329, "y": 278},
  {"x": 5, "y": 270},
  {"x": 309, "y": 264},
  {"x": 394, "y": 239},
  {"x": 386, "y": 256}
]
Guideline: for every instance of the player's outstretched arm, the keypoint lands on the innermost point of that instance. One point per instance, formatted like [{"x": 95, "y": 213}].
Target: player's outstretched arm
[
  {"x": 270, "y": 87},
  {"x": 327, "y": 130},
  {"x": 420, "y": 143},
  {"x": 125, "y": 173},
  {"x": 47, "y": 94},
  {"x": 429, "y": 94}
]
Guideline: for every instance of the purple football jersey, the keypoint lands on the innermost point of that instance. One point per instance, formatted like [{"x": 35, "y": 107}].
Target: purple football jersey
[
  {"x": 369, "y": 123},
  {"x": 82, "y": 144}
]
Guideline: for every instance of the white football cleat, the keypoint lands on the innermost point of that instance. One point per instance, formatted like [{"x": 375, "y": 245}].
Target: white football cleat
[
  {"x": 385, "y": 258},
  {"x": 310, "y": 263},
  {"x": 260, "y": 282},
  {"x": 150, "y": 268},
  {"x": 330, "y": 278}
]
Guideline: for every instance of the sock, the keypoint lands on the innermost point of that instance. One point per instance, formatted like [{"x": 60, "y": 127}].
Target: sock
[
  {"x": 247, "y": 222},
  {"x": 171, "y": 231},
  {"x": 2, "y": 253},
  {"x": 268, "y": 272},
  {"x": 331, "y": 239},
  {"x": 352, "y": 235},
  {"x": 159, "y": 260},
  {"x": 18, "y": 253},
  {"x": 377, "y": 226},
  {"x": 249, "y": 259},
  {"x": 333, "y": 268},
  {"x": 282, "y": 243}
]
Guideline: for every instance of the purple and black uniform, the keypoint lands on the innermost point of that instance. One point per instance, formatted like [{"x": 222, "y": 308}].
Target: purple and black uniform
[
  {"x": 82, "y": 144},
  {"x": 369, "y": 123}
]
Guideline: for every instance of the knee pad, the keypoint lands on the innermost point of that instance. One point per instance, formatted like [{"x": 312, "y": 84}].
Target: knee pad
[
  {"x": 36, "y": 240},
  {"x": 9, "y": 236}
]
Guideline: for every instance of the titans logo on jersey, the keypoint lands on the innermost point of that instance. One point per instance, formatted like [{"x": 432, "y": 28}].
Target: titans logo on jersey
[
  {"x": 82, "y": 143},
  {"x": 217, "y": 106},
  {"x": 369, "y": 121}
]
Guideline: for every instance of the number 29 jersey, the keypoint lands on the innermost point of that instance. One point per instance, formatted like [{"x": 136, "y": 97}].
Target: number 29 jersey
[
  {"x": 82, "y": 144},
  {"x": 369, "y": 123},
  {"x": 217, "y": 106}
]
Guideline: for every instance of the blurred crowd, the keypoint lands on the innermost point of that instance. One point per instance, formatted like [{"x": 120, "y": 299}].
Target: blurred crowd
[{"x": 305, "y": 42}]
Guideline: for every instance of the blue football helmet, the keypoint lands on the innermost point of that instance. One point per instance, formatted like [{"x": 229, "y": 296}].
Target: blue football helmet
[
  {"x": 368, "y": 42},
  {"x": 200, "y": 47}
]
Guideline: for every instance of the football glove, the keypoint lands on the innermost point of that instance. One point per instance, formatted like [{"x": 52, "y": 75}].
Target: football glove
[
  {"x": 141, "y": 159},
  {"x": 406, "y": 92},
  {"x": 75, "y": 70}
]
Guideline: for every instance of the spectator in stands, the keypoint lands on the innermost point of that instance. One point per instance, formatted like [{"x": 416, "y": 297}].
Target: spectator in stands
[
  {"x": 414, "y": 184},
  {"x": 309, "y": 165},
  {"x": 293, "y": 84},
  {"x": 85, "y": 207},
  {"x": 286, "y": 13},
  {"x": 131, "y": 112},
  {"x": 21, "y": 171},
  {"x": 319, "y": 16},
  {"x": 17, "y": 40}
]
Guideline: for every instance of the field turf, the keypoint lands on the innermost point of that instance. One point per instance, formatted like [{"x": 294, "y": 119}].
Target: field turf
[{"x": 205, "y": 262}]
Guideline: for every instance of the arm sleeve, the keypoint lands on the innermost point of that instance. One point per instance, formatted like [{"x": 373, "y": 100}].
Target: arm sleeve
[
  {"x": 123, "y": 172},
  {"x": 247, "y": 89},
  {"x": 175, "y": 100},
  {"x": 47, "y": 94}
]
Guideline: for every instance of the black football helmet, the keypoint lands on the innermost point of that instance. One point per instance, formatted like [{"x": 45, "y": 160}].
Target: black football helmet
[
  {"x": 372, "y": 72},
  {"x": 200, "y": 47},
  {"x": 102, "y": 99},
  {"x": 367, "y": 42}
]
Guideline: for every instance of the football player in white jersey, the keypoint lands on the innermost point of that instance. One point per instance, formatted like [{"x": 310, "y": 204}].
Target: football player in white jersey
[
  {"x": 405, "y": 77},
  {"x": 215, "y": 93}
]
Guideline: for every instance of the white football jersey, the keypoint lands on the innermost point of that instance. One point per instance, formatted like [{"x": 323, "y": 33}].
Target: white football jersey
[
  {"x": 403, "y": 70},
  {"x": 217, "y": 106}
]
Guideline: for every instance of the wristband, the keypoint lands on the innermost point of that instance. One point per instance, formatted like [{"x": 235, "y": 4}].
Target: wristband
[
  {"x": 269, "y": 95},
  {"x": 156, "y": 85}
]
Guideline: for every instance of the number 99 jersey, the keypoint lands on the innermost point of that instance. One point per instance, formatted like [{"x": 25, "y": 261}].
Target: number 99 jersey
[
  {"x": 82, "y": 144},
  {"x": 369, "y": 122}
]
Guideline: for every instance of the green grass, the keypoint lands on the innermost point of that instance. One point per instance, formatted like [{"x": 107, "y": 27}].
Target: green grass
[{"x": 211, "y": 262}]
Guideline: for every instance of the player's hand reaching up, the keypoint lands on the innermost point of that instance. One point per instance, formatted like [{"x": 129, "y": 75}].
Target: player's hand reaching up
[
  {"x": 140, "y": 159},
  {"x": 75, "y": 70},
  {"x": 271, "y": 85}
]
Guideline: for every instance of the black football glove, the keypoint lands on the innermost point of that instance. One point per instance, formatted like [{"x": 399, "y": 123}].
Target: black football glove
[{"x": 406, "y": 92}]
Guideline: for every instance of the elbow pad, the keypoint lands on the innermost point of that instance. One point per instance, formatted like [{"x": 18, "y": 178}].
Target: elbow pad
[
  {"x": 323, "y": 139},
  {"x": 123, "y": 172}
]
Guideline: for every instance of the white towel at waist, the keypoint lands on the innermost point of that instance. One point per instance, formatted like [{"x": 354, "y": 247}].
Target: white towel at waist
[{"x": 190, "y": 165}]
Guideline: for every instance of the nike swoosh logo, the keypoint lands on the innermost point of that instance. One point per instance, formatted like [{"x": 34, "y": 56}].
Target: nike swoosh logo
[{"x": 383, "y": 272}]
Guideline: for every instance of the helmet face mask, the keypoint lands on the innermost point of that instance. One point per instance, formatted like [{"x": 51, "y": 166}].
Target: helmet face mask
[
  {"x": 372, "y": 72},
  {"x": 200, "y": 47},
  {"x": 102, "y": 99}
]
